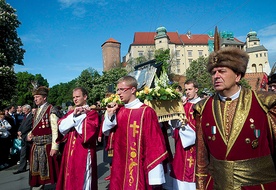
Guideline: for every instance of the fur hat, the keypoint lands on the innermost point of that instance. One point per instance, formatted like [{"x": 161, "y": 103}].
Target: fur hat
[
  {"x": 42, "y": 90},
  {"x": 272, "y": 79},
  {"x": 231, "y": 57}
]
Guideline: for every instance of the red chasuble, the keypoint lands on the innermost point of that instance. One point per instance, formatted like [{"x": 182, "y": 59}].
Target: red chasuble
[
  {"x": 183, "y": 165},
  {"x": 74, "y": 157},
  {"x": 138, "y": 147}
]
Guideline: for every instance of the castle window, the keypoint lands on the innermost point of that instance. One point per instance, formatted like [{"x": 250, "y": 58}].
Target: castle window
[
  {"x": 177, "y": 53},
  {"x": 190, "y": 60},
  {"x": 260, "y": 69},
  {"x": 150, "y": 54},
  {"x": 178, "y": 62},
  {"x": 261, "y": 55},
  {"x": 265, "y": 54},
  {"x": 140, "y": 53},
  {"x": 200, "y": 53},
  {"x": 256, "y": 55},
  {"x": 254, "y": 68},
  {"x": 190, "y": 53}
]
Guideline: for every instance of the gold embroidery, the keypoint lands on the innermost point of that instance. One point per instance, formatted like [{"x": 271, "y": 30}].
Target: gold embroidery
[
  {"x": 133, "y": 155},
  {"x": 134, "y": 126},
  {"x": 191, "y": 161}
]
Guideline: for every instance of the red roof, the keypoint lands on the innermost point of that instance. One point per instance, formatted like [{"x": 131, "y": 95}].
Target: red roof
[
  {"x": 144, "y": 38},
  {"x": 195, "y": 39},
  {"x": 147, "y": 38},
  {"x": 111, "y": 40}
]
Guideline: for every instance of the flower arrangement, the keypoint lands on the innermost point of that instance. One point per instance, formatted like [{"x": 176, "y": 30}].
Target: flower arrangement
[
  {"x": 162, "y": 91},
  {"x": 112, "y": 98}
]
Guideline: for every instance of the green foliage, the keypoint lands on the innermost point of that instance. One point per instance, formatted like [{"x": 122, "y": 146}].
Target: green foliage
[
  {"x": 163, "y": 56},
  {"x": 198, "y": 72},
  {"x": 109, "y": 78},
  {"x": 7, "y": 86},
  {"x": 244, "y": 83},
  {"x": 10, "y": 44},
  {"x": 62, "y": 93},
  {"x": 91, "y": 80},
  {"x": 10, "y": 53},
  {"x": 24, "y": 87}
]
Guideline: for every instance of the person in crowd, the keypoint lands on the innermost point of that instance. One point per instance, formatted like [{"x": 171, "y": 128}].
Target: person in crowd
[
  {"x": 79, "y": 128},
  {"x": 11, "y": 118},
  {"x": 44, "y": 163},
  {"x": 184, "y": 161},
  {"x": 5, "y": 141},
  {"x": 24, "y": 129},
  {"x": 19, "y": 115},
  {"x": 235, "y": 129},
  {"x": 191, "y": 89},
  {"x": 139, "y": 146},
  {"x": 272, "y": 83}
]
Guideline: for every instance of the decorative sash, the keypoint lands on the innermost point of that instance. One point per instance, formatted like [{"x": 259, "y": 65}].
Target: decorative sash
[
  {"x": 40, "y": 165},
  {"x": 234, "y": 174}
]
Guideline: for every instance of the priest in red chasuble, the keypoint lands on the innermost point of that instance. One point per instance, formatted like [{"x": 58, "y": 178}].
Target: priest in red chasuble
[
  {"x": 79, "y": 129},
  {"x": 139, "y": 146},
  {"x": 235, "y": 129},
  {"x": 184, "y": 161}
]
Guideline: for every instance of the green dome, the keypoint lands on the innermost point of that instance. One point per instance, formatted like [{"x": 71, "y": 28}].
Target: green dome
[{"x": 161, "y": 29}]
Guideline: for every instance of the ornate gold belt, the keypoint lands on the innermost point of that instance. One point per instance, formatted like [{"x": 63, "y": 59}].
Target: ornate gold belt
[{"x": 234, "y": 174}]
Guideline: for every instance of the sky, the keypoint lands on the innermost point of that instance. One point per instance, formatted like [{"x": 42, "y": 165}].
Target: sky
[{"x": 64, "y": 37}]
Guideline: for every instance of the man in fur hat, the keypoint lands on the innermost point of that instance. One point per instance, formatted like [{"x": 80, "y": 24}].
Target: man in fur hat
[
  {"x": 235, "y": 129},
  {"x": 44, "y": 167},
  {"x": 272, "y": 82}
]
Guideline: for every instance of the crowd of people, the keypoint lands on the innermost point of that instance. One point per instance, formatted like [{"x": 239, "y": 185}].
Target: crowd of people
[{"x": 226, "y": 142}]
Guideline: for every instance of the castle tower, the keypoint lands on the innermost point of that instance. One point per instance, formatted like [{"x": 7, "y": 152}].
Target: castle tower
[
  {"x": 258, "y": 54},
  {"x": 161, "y": 39},
  {"x": 111, "y": 52}
]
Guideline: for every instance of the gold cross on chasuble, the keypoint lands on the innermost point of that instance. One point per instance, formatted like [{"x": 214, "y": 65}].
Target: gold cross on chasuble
[
  {"x": 191, "y": 161},
  {"x": 134, "y": 126}
]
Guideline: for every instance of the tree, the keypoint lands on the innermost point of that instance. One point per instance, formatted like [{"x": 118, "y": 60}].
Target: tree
[
  {"x": 24, "y": 87},
  {"x": 62, "y": 93},
  {"x": 198, "y": 71},
  {"x": 163, "y": 56},
  {"x": 109, "y": 78},
  {"x": 88, "y": 79},
  {"x": 11, "y": 52}
]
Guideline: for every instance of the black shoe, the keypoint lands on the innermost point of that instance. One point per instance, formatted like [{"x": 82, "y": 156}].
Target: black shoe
[{"x": 19, "y": 171}]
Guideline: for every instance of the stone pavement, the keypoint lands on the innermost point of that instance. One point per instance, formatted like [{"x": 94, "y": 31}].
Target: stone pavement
[{"x": 9, "y": 181}]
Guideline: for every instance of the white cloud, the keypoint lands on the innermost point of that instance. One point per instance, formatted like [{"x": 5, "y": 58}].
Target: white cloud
[
  {"x": 30, "y": 38},
  {"x": 268, "y": 31},
  {"x": 267, "y": 37},
  {"x": 79, "y": 11},
  {"x": 69, "y": 3},
  {"x": 78, "y": 6}
]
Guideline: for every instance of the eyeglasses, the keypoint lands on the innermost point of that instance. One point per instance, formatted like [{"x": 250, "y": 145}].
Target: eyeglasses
[{"x": 122, "y": 90}]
